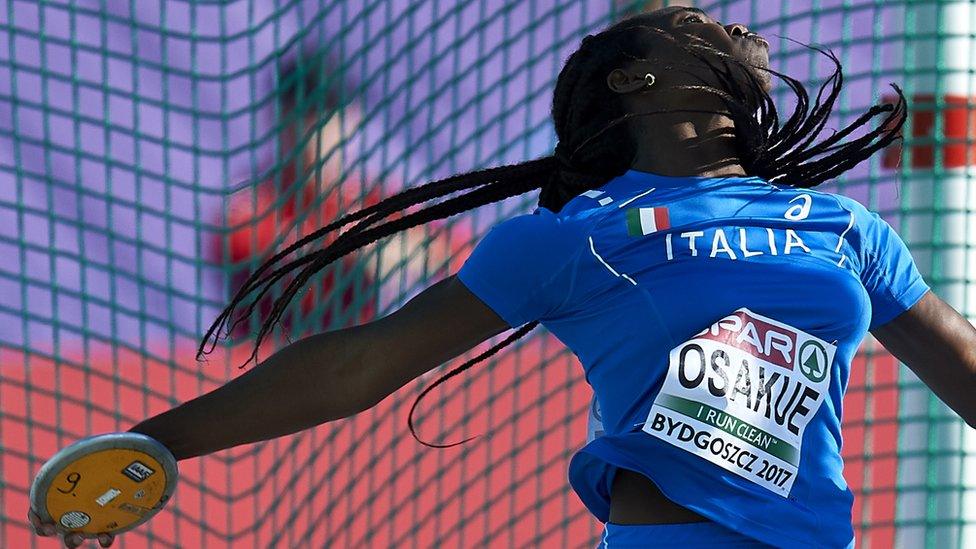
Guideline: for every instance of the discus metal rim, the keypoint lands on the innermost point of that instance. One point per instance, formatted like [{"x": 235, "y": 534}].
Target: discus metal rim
[{"x": 96, "y": 443}]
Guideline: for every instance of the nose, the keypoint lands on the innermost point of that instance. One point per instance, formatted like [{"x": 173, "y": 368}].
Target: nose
[{"x": 736, "y": 29}]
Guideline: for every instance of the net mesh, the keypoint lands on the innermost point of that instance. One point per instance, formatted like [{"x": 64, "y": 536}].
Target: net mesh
[{"x": 153, "y": 153}]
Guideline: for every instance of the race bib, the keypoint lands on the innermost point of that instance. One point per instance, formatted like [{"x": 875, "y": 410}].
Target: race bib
[{"x": 740, "y": 394}]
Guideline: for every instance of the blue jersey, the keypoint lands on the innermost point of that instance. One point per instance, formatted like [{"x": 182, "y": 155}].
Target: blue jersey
[{"x": 716, "y": 320}]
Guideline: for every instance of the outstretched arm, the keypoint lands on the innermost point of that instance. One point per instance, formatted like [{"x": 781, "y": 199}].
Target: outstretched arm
[
  {"x": 330, "y": 375},
  {"x": 939, "y": 345}
]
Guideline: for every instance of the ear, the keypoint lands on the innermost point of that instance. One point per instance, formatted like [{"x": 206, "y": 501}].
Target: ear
[{"x": 621, "y": 81}]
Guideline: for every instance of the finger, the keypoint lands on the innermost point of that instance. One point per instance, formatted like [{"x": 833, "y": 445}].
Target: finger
[
  {"x": 105, "y": 540},
  {"x": 73, "y": 540},
  {"x": 34, "y": 519},
  {"x": 40, "y": 528}
]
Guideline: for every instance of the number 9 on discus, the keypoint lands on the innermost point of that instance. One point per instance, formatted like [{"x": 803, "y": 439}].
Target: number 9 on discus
[{"x": 105, "y": 483}]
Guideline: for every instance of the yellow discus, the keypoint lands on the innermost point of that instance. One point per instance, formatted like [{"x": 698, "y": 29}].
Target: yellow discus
[{"x": 105, "y": 483}]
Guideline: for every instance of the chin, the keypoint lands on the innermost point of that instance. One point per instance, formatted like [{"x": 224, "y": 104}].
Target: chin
[{"x": 760, "y": 62}]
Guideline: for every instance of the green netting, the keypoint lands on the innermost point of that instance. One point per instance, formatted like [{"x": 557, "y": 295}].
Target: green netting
[{"x": 154, "y": 152}]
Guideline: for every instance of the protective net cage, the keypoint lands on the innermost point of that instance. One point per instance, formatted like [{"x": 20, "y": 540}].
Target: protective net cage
[{"x": 154, "y": 152}]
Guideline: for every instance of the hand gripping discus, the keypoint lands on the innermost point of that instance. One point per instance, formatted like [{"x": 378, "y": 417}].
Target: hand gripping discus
[{"x": 104, "y": 483}]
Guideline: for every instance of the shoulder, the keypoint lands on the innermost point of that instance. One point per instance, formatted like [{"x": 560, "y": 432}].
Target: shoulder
[
  {"x": 843, "y": 203},
  {"x": 850, "y": 215},
  {"x": 533, "y": 247},
  {"x": 541, "y": 220},
  {"x": 522, "y": 267},
  {"x": 863, "y": 219},
  {"x": 542, "y": 230},
  {"x": 877, "y": 245},
  {"x": 848, "y": 203}
]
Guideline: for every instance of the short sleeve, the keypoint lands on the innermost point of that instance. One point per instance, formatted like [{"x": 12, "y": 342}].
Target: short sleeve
[
  {"x": 888, "y": 271},
  {"x": 522, "y": 268}
]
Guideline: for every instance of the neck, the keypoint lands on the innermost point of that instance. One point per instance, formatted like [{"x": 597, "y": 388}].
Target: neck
[{"x": 681, "y": 145}]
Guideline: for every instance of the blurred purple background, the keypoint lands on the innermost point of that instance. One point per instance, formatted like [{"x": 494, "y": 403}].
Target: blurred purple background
[{"x": 124, "y": 125}]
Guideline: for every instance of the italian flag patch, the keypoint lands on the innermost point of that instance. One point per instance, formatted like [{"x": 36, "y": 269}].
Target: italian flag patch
[{"x": 642, "y": 221}]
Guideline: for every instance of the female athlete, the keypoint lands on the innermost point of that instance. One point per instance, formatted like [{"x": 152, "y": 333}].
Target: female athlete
[{"x": 713, "y": 299}]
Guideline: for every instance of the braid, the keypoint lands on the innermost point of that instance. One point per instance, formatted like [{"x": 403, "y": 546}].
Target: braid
[
  {"x": 581, "y": 106},
  {"x": 496, "y": 184},
  {"x": 595, "y": 144},
  {"x": 372, "y": 214},
  {"x": 767, "y": 149},
  {"x": 351, "y": 241},
  {"x": 508, "y": 340},
  {"x": 789, "y": 154},
  {"x": 579, "y": 97}
]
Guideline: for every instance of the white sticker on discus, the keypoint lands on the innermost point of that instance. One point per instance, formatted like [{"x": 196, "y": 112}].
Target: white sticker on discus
[{"x": 108, "y": 496}]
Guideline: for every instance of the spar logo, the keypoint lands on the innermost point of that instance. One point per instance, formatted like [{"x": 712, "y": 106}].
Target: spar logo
[
  {"x": 771, "y": 342},
  {"x": 813, "y": 360}
]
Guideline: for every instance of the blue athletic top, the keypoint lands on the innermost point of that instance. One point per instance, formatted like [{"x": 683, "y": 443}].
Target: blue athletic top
[{"x": 716, "y": 320}]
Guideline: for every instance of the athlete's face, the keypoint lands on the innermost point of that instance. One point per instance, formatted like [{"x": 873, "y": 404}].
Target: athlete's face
[{"x": 691, "y": 26}]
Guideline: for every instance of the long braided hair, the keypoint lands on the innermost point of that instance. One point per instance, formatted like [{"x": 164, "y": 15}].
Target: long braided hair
[{"x": 595, "y": 145}]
